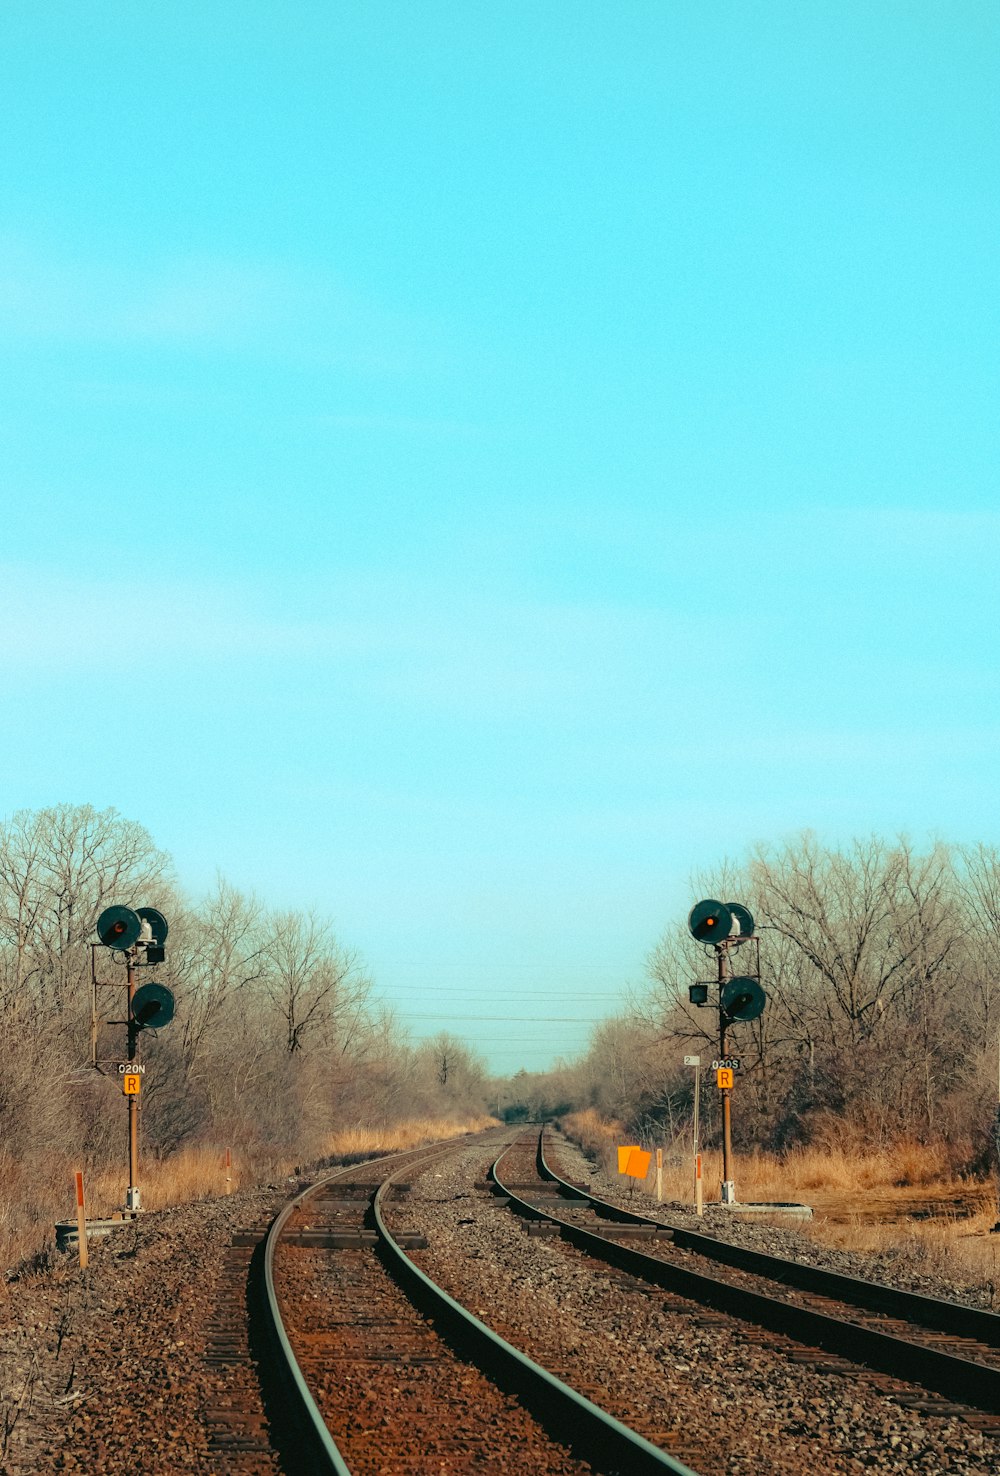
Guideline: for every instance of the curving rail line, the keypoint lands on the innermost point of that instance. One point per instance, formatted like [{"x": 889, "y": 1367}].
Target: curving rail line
[
  {"x": 894, "y": 1350},
  {"x": 568, "y": 1416},
  {"x": 314, "y": 1445}
]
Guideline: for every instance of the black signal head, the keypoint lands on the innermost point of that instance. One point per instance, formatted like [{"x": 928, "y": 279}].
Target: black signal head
[
  {"x": 157, "y": 923},
  {"x": 710, "y": 921},
  {"x": 119, "y": 927},
  {"x": 152, "y": 1006},
  {"x": 742, "y": 999},
  {"x": 743, "y": 923}
]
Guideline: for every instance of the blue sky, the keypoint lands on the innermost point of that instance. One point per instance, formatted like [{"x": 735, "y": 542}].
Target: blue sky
[{"x": 470, "y": 467}]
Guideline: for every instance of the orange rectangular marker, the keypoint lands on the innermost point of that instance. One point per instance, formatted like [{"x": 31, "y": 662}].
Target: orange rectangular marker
[
  {"x": 638, "y": 1163},
  {"x": 131, "y": 1083},
  {"x": 623, "y": 1154},
  {"x": 724, "y": 1078}
]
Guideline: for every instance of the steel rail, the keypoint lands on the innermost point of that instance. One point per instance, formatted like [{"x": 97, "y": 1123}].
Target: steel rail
[
  {"x": 592, "y": 1433},
  {"x": 874, "y": 1296},
  {"x": 960, "y": 1379},
  {"x": 311, "y": 1430}
]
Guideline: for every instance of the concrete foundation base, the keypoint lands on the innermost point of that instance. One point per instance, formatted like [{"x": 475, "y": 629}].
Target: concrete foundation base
[
  {"x": 68, "y": 1234},
  {"x": 793, "y": 1211}
]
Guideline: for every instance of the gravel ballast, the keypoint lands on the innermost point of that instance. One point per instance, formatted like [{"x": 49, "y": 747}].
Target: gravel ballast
[
  {"x": 732, "y": 1404},
  {"x": 107, "y": 1369},
  {"x": 112, "y": 1368}
]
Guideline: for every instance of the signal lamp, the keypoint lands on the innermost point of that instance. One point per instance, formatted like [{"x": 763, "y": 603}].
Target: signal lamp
[
  {"x": 710, "y": 921},
  {"x": 698, "y": 993},
  {"x": 152, "y": 1006},
  {"x": 119, "y": 927},
  {"x": 743, "y": 923},
  {"x": 156, "y": 924},
  {"x": 742, "y": 999}
]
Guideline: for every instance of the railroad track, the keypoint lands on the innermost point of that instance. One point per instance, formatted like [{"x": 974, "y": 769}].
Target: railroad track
[
  {"x": 951, "y": 1352},
  {"x": 369, "y": 1367},
  {"x": 383, "y": 1371}
]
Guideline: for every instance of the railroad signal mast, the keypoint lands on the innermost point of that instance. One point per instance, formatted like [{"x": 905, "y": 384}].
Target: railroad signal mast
[
  {"x": 137, "y": 936},
  {"x": 726, "y": 926}
]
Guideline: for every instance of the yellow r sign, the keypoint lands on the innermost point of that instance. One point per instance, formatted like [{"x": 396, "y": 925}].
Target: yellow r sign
[
  {"x": 724, "y": 1078},
  {"x": 130, "y": 1083}
]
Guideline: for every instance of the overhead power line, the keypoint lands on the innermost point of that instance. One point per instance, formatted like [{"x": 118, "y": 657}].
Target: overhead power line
[{"x": 515, "y": 1019}]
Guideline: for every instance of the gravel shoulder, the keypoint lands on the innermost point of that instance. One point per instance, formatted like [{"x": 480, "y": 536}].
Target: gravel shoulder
[
  {"x": 105, "y": 1369},
  {"x": 725, "y": 1402}
]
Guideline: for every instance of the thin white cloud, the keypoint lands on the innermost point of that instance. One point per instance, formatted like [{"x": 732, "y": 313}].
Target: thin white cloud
[
  {"x": 176, "y": 301},
  {"x": 405, "y": 647},
  {"x": 205, "y": 303},
  {"x": 62, "y": 623},
  {"x": 924, "y": 528},
  {"x": 405, "y": 425}
]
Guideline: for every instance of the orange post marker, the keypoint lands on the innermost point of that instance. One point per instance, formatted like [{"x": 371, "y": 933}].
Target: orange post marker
[{"x": 81, "y": 1223}]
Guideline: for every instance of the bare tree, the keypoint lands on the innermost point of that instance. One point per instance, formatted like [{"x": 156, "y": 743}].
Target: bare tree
[
  {"x": 59, "y": 868},
  {"x": 219, "y": 954},
  {"x": 312, "y": 982}
]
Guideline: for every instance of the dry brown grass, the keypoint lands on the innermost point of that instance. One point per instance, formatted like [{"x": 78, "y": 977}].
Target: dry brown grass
[
  {"x": 410, "y": 1134},
  {"x": 900, "y": 1200},
  {"x": 33, "y": 1202},
  {"x": 596, "y": 1135},
  {"x": 950, "y": 1246},
  {"x": 771, "y": 1176}
]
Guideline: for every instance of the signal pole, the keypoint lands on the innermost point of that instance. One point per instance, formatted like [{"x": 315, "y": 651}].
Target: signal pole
[
  {"x": 727, "y": 1190},
  {"x": 132, "y": 1201},
  {"x": 722, "y": 926},
  {"x": 139, "y": 935}
]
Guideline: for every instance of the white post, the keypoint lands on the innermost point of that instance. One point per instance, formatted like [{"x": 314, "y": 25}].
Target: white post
[
  {"x": 697, "y": 1142},
  {"x": 695, "y": 1061},
  {"x": 659, "y": 1175}
]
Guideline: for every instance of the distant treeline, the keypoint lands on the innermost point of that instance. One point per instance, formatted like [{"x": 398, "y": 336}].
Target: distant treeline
[{"x": 881, "y": 965}]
